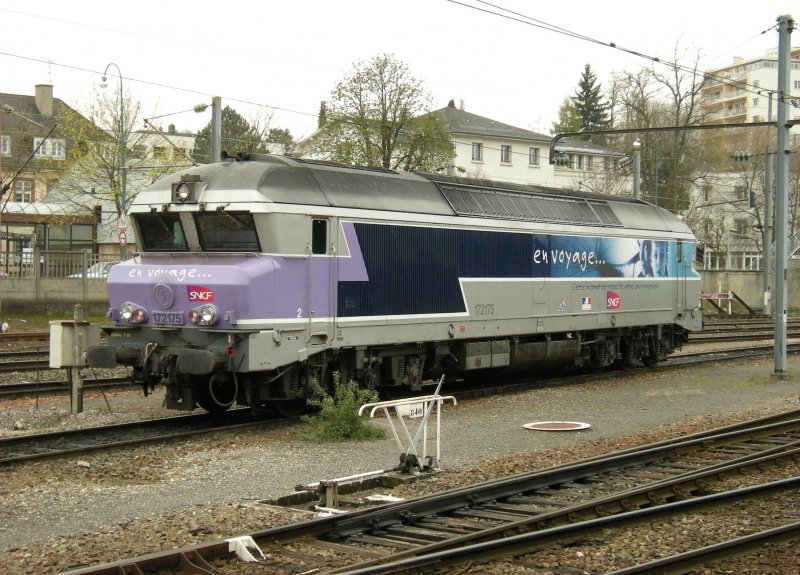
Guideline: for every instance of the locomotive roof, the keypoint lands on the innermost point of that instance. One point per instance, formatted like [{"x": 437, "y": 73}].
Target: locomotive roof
[{"x": 281, "y": 179}]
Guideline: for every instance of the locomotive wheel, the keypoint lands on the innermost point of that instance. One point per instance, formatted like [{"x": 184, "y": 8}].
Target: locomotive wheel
[
  {"x": 216, "y": 394},
  {"x": 650, "y": 361},
  {"x": 289, "y": 407}
]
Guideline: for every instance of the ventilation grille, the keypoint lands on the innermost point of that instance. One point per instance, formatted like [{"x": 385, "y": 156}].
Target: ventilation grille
[{"x": 489, "y": 203}]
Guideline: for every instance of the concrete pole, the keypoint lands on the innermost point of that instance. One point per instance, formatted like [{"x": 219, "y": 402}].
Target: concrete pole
[
  {"x": 785, "y": 27},
  {"x": 216, "y": 129},
  {"x": 766, "y": 261},
  {"x": 637, "y": 167},
  {"x": 78, "y": 348}
]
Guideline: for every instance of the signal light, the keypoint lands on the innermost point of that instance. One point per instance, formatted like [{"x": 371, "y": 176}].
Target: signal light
[
  {"x": 741, "y": 156},
  {"x": 563, "y": 160}
]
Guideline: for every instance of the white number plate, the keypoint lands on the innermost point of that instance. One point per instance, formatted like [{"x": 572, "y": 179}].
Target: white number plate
[{"x": 412, "y": 410}]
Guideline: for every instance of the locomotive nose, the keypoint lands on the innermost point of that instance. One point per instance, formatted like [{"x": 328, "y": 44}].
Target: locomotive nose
[{"x": 191, "y": 294}]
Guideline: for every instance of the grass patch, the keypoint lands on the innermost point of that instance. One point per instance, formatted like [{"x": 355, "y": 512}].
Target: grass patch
[{"x": 338, "y": 419}]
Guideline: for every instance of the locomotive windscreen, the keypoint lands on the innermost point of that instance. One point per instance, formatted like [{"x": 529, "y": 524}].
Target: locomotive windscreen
[
  {"x": 160, "y": 232},
  {"x": 224, "y": 231}
]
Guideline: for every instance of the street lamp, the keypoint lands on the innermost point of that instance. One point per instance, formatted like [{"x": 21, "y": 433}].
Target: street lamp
[
  {"x": 637, "y": 166},
  {"x": 122, "y": 168}
]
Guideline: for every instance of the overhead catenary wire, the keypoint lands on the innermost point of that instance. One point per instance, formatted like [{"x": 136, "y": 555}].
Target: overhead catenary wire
[{"x": 530, "y": 21}]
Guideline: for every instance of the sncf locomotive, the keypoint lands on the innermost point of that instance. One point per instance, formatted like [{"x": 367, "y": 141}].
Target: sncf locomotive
[{"x": 259, "y": 277}]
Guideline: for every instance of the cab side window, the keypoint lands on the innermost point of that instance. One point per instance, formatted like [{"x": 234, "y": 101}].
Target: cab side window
[{"x": 319, "y": 236}]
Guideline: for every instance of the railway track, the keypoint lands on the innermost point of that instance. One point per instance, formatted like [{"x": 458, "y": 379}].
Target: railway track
[
  {"x": 524, "y": 514},
  {"x": 29, "y": 447},
  {"x": 40, "y": 388},
  {"x": 48, "y": 445}
]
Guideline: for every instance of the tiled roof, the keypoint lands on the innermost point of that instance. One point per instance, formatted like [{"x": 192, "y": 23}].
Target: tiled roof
[{"x": 461, "y": 122}]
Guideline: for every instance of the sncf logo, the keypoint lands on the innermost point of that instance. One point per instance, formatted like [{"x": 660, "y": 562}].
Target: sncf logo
[
  {"x": 199, "y": 293},
  {"x": 613, "y": 300}
]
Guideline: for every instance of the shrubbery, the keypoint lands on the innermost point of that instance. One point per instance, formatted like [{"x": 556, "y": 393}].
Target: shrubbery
[{"x": 338, "y": 419}]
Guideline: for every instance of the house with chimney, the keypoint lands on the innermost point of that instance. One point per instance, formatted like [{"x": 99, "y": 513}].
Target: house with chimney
[{"x": 34, "y": 154}]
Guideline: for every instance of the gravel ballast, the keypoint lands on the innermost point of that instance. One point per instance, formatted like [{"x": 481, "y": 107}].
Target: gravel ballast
[{"x": 104, "y": 506}]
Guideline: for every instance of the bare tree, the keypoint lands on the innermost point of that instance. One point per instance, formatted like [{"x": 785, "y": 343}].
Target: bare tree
[
  {"x": 94, "y": 172},
  {"x": 378, "y": 116},
  {"x": 666, "y": 95}
]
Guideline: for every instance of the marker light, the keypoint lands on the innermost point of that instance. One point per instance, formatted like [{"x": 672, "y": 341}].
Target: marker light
[
  {"x": 204, "y": 315},
  {"x": 132, "y": 313}
]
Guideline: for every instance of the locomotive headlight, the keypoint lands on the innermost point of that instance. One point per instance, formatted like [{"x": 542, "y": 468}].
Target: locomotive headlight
[
  {"x": 183, "y": 192},
  {"x": 204, "y": 315},
  {"x": 132, "y": 313}
]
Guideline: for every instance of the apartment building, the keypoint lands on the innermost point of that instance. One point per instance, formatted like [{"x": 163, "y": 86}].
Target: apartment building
[{"x": 741, "y": 91}]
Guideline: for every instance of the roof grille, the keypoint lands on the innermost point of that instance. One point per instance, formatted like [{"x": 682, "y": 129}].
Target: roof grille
[{"x": 501, "y": 204}]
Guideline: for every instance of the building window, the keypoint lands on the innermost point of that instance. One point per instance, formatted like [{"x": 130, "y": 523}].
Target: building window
[
  {"x": 50, "y": 148},
  {"x": 755, "y": 102},
  {"x": 797, "y": 84},
  {"x": 741, "y": 192},
  {"x": 159, "y": 152},
  {"x": 477, "y": 152},
  {"x": 5, "y": 145},
  {"x": 23, "y": 191},
  {"x": 57, "y": 149},
  {"x": 580, "y": 162},
  {"x": 756, "y": 83},
  {"x": 740, "y": 226},
  {"x": 533, "y": 156},
  {"x": 706, "y": 192},
  {"x": 505, "y": 154},
  {"x": 589, "y": 162},
  {"x": 40, "y": 147}
]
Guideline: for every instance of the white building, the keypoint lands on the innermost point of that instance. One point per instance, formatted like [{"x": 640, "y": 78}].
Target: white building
[
  {"x": 163, "y": 145},
  {"x": 485, "y": 148},
  {"x": 741, "y": 92}
]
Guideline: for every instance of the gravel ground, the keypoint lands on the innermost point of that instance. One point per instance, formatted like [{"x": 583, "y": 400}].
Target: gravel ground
[{"x": 97, "y": 508}]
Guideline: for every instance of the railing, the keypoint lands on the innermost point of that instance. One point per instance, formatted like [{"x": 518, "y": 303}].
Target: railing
[{"x": 52, "y": 264}]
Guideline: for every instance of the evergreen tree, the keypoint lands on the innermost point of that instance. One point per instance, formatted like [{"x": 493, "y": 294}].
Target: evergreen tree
[
  {"x": 589, "y": 104},
  {"x": 238, "y": 137}
]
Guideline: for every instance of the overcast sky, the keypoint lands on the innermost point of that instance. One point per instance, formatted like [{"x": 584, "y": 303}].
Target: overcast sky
[{"x": 285, "y": 57}]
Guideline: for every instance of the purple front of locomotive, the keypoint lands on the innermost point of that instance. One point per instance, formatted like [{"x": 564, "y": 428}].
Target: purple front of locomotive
[{"x": 217, "y": 293}]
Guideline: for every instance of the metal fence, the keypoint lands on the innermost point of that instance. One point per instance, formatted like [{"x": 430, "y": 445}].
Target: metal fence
[{"x": 49, "y": 264}]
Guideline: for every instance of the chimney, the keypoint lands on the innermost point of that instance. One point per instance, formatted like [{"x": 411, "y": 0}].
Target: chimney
[{"x": 44, "y": 99}]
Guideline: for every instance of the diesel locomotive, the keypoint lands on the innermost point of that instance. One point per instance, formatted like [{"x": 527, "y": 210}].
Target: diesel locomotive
[{"x": 259, "y": 277}]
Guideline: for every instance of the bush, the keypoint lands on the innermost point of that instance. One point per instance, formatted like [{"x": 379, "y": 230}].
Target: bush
[{"x": 338, "y": 418}]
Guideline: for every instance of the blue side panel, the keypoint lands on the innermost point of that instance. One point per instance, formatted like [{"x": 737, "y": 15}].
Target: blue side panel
[{"x": 415, "y": 270}]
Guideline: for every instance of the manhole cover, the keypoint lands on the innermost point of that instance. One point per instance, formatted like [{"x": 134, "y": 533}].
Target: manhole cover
[{"x": 556, "y": 425}]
